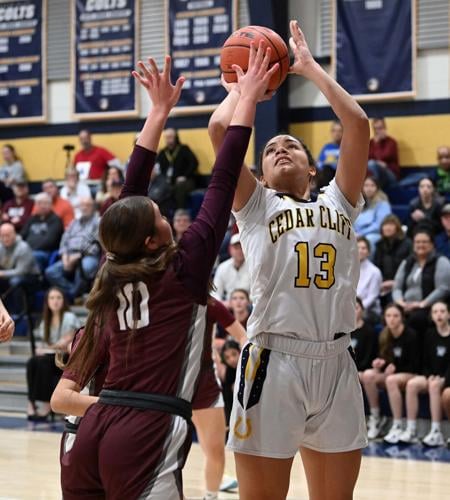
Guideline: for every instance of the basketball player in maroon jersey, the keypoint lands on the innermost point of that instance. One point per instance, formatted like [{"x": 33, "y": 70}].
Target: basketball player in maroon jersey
[{"x": 146, "y": 312}]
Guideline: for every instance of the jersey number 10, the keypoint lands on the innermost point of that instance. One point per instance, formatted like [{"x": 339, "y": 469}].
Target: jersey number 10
[{"x": 327, "y": 255}]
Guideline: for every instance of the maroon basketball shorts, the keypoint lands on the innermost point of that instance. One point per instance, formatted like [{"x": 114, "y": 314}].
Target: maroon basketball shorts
[
  {"x": 121, "y": 452},
  {"x": 209, "y": 391}
]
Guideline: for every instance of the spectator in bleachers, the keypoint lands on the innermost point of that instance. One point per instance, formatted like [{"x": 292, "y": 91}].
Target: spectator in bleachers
[
  {"x": 364, "y": 341},
  {"x": 383, "y": 155},
  {"x": 80, "y": 253},
  {"x": 442, "y": 240},
  {"x": 19, "y": 209},
  {"x": 329, "y": 155},
  {"x": 181, "y": 221},
  {"x": 396, "y": 364},
  {"x": 240, "y": 305},
  {"x": 230, "y": 357},
  {"x": 92, "y": 161},
  {"x": 113, "y": 195},
  {"x": 369, "y": 284},
  {"x": 232, "y": 273},
  {"x": 74, "y": 190},
  {"x": 443, "y": 170},
  {"x": 178, "y": 164},
  {"x": 43, "y": 230},
  {"x": 12, "y": 169},
  {"x": 113, "y": 176},
  {"x": 436, "y": 363},
  {"x": 425, "y": 209},
  {"x": 393, "y": 247},
  {"x": 421, "y": 280},
  {"x": 18, "y": 266},
  {"x": 55, "y": 333},
  {"x": 376, "y": 208},
  {"x": 62, "y": 208}
]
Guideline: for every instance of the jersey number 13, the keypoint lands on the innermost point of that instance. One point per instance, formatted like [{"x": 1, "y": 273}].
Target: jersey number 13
[{"x": 326, "y": 253}]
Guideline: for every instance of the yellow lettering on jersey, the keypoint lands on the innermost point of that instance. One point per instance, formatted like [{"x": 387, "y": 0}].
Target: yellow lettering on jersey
[
  {"x": 331, "y": 224},
  {"x": 289, "y": 220},
  {"x": 323, "y": 222},
  {"x": 299, "y": 222},
  {"x": 247, "y": 431},
  {"x": 273, "y": 231},
  {"x": 309, "y": 217},
  {"x": 280, "y": 225}
]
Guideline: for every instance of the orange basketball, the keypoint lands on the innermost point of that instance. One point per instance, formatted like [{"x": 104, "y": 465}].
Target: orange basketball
[{"x": 237, "y": 47}]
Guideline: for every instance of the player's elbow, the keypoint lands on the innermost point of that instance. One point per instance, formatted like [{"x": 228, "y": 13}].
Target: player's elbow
[{"x": 57, "y": 401}]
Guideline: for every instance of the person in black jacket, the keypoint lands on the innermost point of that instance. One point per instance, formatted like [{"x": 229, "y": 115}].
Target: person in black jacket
[
  {"x": 393, "y": 247},
  {"x": 396, "y": 364},
  {"x": 364, "y": 341},
  {"x": 421, "y": 280},
  {"x": 178, "y": 165},
  {"x": 436, "y": 364},
  {"x": 425, "y": 209},
  {"x": 43, "y": 230}
]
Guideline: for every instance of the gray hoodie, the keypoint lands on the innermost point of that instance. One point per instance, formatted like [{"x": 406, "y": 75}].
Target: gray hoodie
[{"x": 18, "y": 260}]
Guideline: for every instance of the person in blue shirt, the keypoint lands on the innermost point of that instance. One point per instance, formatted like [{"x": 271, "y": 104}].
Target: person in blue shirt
[
  {"x": 377, "y": 207},
  {"x": 329, "y": 155}
]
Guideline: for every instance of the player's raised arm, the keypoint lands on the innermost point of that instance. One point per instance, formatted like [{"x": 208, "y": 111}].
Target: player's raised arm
[
  {"x": 202, "y": 240},
  {"x": 218, "y": 124},
  {"x": 163, "y": 96},
  {"x": 352, "y": 164}
]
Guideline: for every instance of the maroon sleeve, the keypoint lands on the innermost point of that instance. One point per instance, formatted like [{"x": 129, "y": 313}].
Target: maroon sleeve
[
  {"x": 200, "y": 244},
  {"x": 138, "y": 174},
  {"x": 219, "y": 313}
]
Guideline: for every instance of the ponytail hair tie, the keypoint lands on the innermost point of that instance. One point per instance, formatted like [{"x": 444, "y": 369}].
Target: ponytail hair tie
[{"x": 110, "y": 256}]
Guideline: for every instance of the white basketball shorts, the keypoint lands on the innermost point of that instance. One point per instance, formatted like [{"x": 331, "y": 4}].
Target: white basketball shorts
[{"x": 285, "y": 401}]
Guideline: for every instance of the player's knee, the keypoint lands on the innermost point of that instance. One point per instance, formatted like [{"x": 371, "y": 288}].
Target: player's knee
[
  {"x": 368, "y": 376},
  {"x": 391, "y": 382}
]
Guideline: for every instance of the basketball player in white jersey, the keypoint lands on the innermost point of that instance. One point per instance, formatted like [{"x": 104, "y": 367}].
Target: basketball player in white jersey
[{"x": 297, "y": 386}]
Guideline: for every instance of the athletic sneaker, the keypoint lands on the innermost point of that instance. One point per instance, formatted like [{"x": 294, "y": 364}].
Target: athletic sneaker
[
  {"x": 373, "y": 427},
  {"x": 393, "y": 436},
  {"x": 408, "y": 436},
  {"x": 433, "y": 439},
  {"x": 228, "y": 484}
]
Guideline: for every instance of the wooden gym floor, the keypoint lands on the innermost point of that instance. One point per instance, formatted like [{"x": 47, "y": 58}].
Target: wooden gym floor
[{"x": 29, "y": 470}]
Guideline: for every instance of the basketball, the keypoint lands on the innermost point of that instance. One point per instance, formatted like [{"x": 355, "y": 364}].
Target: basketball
[{"x": 236, "y": 51}]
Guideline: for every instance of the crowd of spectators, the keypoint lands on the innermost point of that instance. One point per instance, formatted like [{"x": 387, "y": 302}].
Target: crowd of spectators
[{"x": 51, "y": 240}]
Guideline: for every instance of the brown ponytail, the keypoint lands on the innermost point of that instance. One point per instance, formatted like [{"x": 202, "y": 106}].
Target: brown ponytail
[{"x": 123, "y": 230}]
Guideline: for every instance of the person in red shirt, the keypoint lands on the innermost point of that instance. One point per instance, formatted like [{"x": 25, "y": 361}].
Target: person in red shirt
[
  {"x": 19, "y": 209},
  {"x": 383, "y": 155},
  {"x": 92, "y": 161}
]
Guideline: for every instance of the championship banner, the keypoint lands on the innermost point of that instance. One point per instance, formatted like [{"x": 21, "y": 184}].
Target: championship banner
[
  {"x": 196, "y": 31},
  {"x": 22, "y": 65},
  {"x": 104, "y": 54},
  {"x": 375, "y": 47}
]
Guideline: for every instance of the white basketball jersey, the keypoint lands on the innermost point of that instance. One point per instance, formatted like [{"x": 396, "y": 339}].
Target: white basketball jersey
[{"x": 303, "y": 263}]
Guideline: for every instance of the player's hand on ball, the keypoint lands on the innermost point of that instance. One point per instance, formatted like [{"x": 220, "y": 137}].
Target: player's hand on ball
[
  {"x": 163, "y": 94},
  {"x": 255, "y": 81},
  {"x": 303, "y": 60}
]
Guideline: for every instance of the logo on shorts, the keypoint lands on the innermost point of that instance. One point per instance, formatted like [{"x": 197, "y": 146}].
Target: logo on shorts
[{"x": 246, "y": 431}]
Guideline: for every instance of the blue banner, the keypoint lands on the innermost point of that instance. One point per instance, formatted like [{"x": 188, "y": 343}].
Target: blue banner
[
  {"x": 375, "y": 47},
  {"x": 22, "y": 71},
  {"x": 196, "y": 32},
  {"x": 104, "y": 56}
]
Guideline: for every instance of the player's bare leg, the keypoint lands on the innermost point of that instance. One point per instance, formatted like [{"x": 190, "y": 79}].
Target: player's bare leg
[
  {"x": 262, "y": 478},
  {"x": 331, "y": 476},
  {"x": 210, "y": 426}
]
